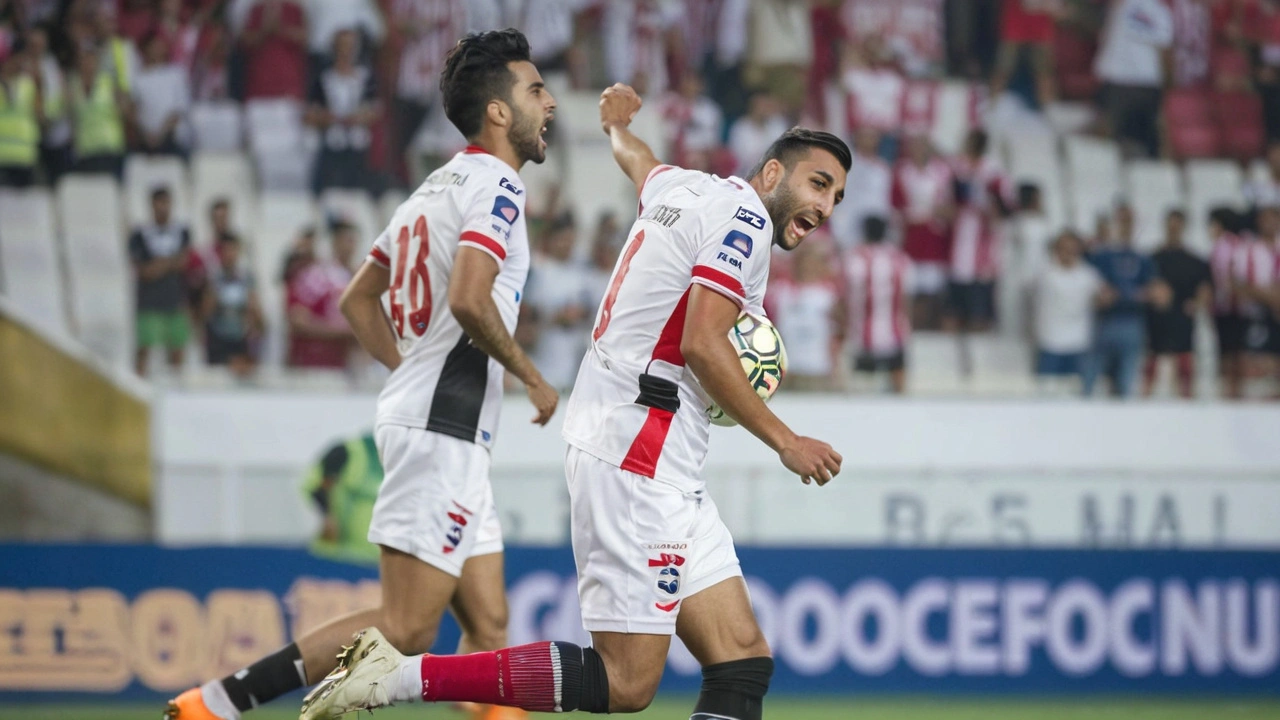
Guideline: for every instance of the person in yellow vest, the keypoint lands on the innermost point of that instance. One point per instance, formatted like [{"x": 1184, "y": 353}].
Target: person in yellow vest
[
  {"x": 343, "y": 486},
  {"x": 21, "y": 108},
  {"x": 99, "y": 110}
]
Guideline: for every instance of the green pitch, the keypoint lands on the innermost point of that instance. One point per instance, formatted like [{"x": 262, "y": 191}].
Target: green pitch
[{"x": 780, "y": 708}]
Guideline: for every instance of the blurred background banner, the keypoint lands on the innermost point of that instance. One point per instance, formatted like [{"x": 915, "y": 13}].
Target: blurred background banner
[{"x": 133, "y": 622}]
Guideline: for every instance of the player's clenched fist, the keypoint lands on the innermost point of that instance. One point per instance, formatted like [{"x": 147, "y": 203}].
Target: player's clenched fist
[
  {"x": 544, "y": 399},
  {"x": 618, "y": 105},
  {"x": 812, "y": 460}
]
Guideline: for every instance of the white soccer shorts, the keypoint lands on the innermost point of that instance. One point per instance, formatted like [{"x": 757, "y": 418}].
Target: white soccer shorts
[
  {"x": 641, "y": 546},
  {"x": 435, "y": 502}
]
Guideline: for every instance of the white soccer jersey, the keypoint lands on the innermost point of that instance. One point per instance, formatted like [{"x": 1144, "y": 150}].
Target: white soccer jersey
[
  {"x": 635, "y": 404},
  {"x": 446, "y": 384}
]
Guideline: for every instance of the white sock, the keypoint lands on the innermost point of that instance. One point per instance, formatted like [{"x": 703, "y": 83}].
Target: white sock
[
  {"x": 216, "y": 699},
  {"x": 408, "y": 685}
]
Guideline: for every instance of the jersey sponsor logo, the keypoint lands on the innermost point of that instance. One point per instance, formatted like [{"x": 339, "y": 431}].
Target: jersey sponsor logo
[
  {"x": 667, "y": 546},
  {"x": 724, "y": 256},
  {"x": 749, "y": 217},
  {"x": 739, "y": 241},
  {"x": 446, "y": 177},
  {"x": 505, "y": 208},
  {"x": 664, "y": 215},
  {"x": 507, "y": 185}
]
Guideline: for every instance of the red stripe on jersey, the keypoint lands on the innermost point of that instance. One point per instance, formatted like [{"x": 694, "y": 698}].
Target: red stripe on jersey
[
  {"x": 668, "y": 347},
  {"x": 642, "y": 457},
  {"x": 721, "y": 278},
  {"x": 484, "y": 241},
  {"x": 380, "y": 257},
  {"x": 476, "y": 150},
  {"x": 652, "y": 174}
]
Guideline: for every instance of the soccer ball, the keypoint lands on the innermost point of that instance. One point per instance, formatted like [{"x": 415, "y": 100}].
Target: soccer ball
[{"x": 763, "y": 358}]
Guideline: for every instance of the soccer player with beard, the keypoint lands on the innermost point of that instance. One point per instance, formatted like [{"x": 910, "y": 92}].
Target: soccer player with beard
[
  {"x": 454, "y": 258},
  {"x": 654, "y": 558}
]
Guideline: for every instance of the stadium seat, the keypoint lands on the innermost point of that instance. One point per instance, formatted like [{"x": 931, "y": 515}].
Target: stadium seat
[
  {"x": 388, "y": 204},
  {"x": 953, "y": 116},
  {"x": 222, "y": 175},
  {"x": 100, "y": 279},
  {"x": 1093, "y": 179},
  {"x": 1033, "y": 157},
  {"x": 217, "y": 126},
  {"x": 1189, "y": 121},
  {"x": 143, "y": 174},
  {"x": 1239, "y": 117},
  {"x": 1209, "y": 183},
  {"x": 1153, "y": 187},
  {"x": 276, "y": 140},
  {"x": 30, "y": 276}
]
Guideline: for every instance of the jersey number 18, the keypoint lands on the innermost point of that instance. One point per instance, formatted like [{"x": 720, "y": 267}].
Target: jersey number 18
[{"x": 411, "y": 286}]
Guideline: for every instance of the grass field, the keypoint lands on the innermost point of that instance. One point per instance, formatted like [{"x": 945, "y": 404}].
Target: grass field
[{"x": 781, "y": 708}]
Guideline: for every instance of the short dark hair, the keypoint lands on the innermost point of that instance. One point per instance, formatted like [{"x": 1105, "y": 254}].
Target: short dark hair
[
  {"x": 1176, "y": 212},
  {"x": 219, "y": 202},
  {"x": 228, "y": 238},
  {"x": 160, "y": 191},
  {"x": 794, "y": 143},
  {"x": 977, "y": 141},
  {"x": 1226, "y": 218},
  {"x": 874, "y": 228},
  {"x": 475, "y": 72}
]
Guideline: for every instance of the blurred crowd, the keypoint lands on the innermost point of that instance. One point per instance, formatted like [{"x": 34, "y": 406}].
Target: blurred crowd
[{"x": 921, "y": 242}]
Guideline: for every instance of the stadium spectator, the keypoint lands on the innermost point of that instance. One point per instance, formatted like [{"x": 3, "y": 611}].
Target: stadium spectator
[
  {"x": 606, "y": 244},
  {"x": 1253, "y": 279},
  {"x": 327, "y": 18},
  {"x": 180, "y": 32},
  {"x": 1171, "y": 331},
  {"x": 342, "y": 486},
  {"x": 692, "y": 124},
  {"x": 300, "y": 255},
  {"x": 983, "y": 202},
  {"x": 55, "y": 137},
  {"x": 420, "y": 33},
  {"x": 21, "y": 112},
  {"x": 807, "y": 307},
  {"x": 779, "y": 51},
  {"x": 1130, "y": 65},
  {"x": 211, "y": 72},
  {"x": 923, "y": 198},
  {"x": 161, "y": 95},
  {"x": 875, "y": 89},
  {"x": 1224, "y": 229},
  {"x": 638, "y": 36},
  {"x": 201, "y": 260},
  {"x": 117, "y": 54},
  {"x": 551, "y": 27},
  {"x": 913, "y": 29},
  {"x": 1192, "y": 42},
  {"x": 1121, "y": 325},
  {"x": 274, "y": 42},
  {"x": 753, "y": 133},
  {"x": 1266, "y": 68},
  {"x": 231, "y": 311},
  {"x": 99, "y": 109},
  {"x": 868, "y": 190},
  {"x": 319, "y": 336},
  {"x": 880, "y": 286},
  {"x": 1266, "y": 189},
  {"x": 342, "y": 107},
  {"x": 1026, "y": 34},
  {"x": 557, "y": 295},
  {"x": 159, "y": 253},
  {"x": 1066, "y": 292}
]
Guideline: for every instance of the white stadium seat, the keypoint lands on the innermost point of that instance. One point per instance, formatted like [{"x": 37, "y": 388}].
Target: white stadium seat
[
  {"x": 1093, "y": 179},
  {"x": 1153, "y": 188},
  {"x": 275, "y": 132},
  {"x": 1210, "y": 183},
  {"x": 30, "y": 276},
  {"x": 143, "y": 174},
  {"x": 217, "y": 126},
  {"x": 99, "y": 273},
  {"x": 951, "y": 112}
]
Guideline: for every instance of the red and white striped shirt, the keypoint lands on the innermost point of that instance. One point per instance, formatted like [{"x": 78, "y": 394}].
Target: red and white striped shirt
[
  {"x": 1253, "y": 263},
  {"x": 919, "y": 192},
  {"x": 804, "y": 313},
  {"x": 975, "y": 239},
  {"x": 874, "y": 98},
  {"x": 879, "y": 277},
  {"x": 422, "y": 58},
  {"x": 1220, "y": 261}
]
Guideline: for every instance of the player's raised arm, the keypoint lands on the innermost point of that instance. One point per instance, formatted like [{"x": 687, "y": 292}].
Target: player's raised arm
[
  {"x": 618, "y": 107},
  {"x": 709, "y": 354},
  {"x": 361, "y": 305},
  {"x": 471, "y": 302}
]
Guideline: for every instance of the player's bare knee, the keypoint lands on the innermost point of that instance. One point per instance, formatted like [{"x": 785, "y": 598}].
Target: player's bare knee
[
  {"x": 631, "y": 695},
  {"x": 411, "y": 636}
]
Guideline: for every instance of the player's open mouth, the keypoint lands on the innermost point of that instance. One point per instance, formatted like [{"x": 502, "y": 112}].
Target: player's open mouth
[
  {"x": 545, "y": 126},
  {"x": 802, "y": 225}
]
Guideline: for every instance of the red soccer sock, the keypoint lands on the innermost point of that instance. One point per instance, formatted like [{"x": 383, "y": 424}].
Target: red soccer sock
[{"x": 528, "y": 676}]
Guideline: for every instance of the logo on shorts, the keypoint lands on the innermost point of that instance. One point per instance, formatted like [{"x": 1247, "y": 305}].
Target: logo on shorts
[
  {"x": 669, "y": 581},
  {"x": 453, "y": 536},
  {"x": 667, "y": 607}
]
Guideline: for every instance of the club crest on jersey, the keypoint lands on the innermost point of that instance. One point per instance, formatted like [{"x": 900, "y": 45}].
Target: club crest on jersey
[
  {"x": 751, "y": 218},
  {"x": 739, "y": 241},
  {"x": 507, "y": 185},
  {"x": 505, "y": 208}
]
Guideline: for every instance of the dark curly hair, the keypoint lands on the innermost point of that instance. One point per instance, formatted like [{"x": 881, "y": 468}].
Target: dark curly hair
[{"x": 475, "y": 72}]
